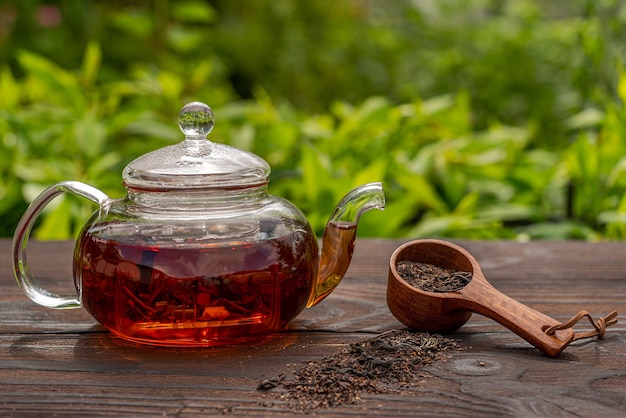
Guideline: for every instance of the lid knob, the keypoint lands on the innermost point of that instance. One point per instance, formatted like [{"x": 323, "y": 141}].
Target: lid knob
[
  {"x": 196, "y": 120},
  {"x": 196, "y": 163}
]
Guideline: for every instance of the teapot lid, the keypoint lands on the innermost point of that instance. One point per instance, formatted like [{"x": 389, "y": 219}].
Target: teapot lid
[{"x": 196, "y": 162}]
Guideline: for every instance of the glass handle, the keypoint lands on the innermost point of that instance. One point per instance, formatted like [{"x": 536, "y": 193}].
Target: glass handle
[{"x": 25, "y": 279}]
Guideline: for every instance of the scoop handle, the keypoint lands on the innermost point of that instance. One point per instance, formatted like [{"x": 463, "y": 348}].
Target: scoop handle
[
  {"x": 481, "y": 297},
  {"x": 29, "y": 284}
]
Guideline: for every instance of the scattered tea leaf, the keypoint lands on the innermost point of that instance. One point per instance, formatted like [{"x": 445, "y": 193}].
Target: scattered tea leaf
[{"x": 384, "y": 363}]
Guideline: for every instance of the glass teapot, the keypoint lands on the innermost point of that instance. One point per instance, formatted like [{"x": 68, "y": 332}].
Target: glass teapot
[{"x": 198, "y": 253}]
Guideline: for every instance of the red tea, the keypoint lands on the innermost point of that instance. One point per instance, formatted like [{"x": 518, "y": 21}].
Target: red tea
[{"x": 194, "y": 294}]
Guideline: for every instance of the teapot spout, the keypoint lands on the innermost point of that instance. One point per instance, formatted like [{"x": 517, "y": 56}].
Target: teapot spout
[{"x": 339, "y": 236}]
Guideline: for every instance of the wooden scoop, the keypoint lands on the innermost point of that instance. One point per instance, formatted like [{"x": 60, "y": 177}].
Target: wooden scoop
[{"x": 448, "y": 311}]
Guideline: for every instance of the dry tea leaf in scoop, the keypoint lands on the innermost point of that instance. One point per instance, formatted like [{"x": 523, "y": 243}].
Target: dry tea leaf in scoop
[{"x": 435, "y": 310}]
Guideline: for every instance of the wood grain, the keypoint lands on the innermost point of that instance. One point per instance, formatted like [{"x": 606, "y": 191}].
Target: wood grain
[{"x": 62, "y": 362}]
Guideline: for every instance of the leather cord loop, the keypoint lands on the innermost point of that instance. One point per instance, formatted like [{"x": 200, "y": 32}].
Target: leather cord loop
[{"x": 599, "y": 326}]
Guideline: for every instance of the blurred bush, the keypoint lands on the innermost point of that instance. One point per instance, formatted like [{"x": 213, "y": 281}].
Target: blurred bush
[{"x": 484, "y": 119}]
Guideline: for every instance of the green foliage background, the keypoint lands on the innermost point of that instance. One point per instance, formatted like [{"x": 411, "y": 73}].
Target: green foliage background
[{"x": 483, "y": 118}]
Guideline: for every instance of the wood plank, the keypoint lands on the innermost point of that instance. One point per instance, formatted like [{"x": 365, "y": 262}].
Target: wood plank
[{"x": 62, "y": 361}]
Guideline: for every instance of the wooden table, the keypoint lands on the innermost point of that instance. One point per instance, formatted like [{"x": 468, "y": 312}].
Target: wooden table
[{"x": 62, "y": 362}]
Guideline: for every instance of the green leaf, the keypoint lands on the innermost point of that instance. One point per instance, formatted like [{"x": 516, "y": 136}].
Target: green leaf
[
  {"x": 389, "y": 222},
  {"x": 10, "y": 89},
  {"x": 193, "y": 11},
  {"x": 52, "y": 82},
  {"x": 587, "y": 118},
  {"x": 420, "y": 190},
  {"x": 91, "y": 64},
  {"x": 57, "y": 223},
  {"x": 102, "y": 165},
  {"x": 90, "y": 135},
  {"x": 136, "y": 22},
  {"x": 559, "y": 231},
  {"x": 376, "y": 171},
  {"x": 621, "y": 86},
  {"x": 437, "y": 104},
  {"x": 506, "y": 212},
  {"x": 315, "y": 174},
  {"x": 467, "y": 205}
]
